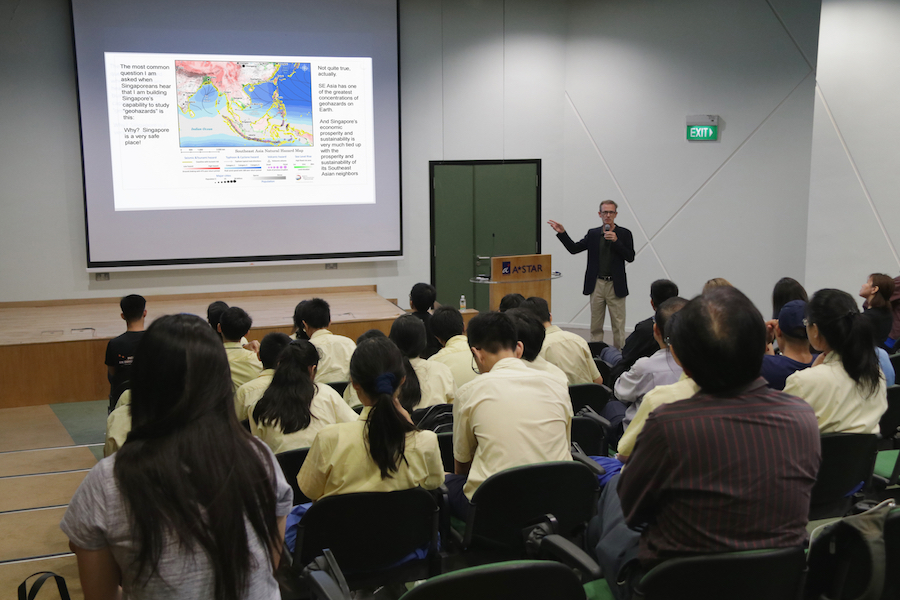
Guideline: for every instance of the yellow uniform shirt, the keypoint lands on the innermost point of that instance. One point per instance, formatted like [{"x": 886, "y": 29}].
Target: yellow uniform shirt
[
  {"x": 327, "y": 408},
  {"x": 839, "y": 404},
  {"x": 244, "y": 364},
  {"x": 246, "y": 397},
  {"x": 542, "y": 365},
  {"x": 339, "y": 463},
  {"x": 511, "y": 416},
  {"x": 118, "y": 424},
  {"x": 457, "y": 355},
  {"x": 571, "y": 353},
  {"x": 334, "y": 356},
  {"x": 436, "y": 382},
  {"x": 682, "y": 389}
]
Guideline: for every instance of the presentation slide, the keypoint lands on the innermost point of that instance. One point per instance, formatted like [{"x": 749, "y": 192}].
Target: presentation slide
[
  {"x": 256, "y": 130},
  {"x": 230, "y": 135}
]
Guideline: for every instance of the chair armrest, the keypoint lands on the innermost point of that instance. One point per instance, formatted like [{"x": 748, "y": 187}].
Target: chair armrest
[
  {"x": 593, "y": 415},
  {"x": 556, "y": 547},
  {"x": 323, "y": 587},
  {"x": 586, "y": 460}
]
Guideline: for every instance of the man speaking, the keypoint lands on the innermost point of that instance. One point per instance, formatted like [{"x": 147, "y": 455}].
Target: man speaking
[{"x": 609, "y": 247}]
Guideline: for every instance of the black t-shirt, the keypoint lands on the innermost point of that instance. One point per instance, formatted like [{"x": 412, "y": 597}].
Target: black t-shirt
[
  {"x": 882, "y": 321},
  {"x": 120, "y": 354},
  {"x": 431, "y": 344}
]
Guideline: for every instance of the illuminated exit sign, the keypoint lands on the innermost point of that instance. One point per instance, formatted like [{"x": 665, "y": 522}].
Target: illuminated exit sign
[
  {"x": 702, "y": 128},
  {"x": 703, "y": 132}
]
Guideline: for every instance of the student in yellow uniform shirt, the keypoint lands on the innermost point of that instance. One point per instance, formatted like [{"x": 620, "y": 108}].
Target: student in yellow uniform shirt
[
  {"x": 427, "y": 382},
  {"x": 242, "y": 360},
  {"x": 249, "y": 394}
]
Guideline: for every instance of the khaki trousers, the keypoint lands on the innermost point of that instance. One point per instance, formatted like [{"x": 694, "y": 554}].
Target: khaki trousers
[{"x": 602, "y": 297}]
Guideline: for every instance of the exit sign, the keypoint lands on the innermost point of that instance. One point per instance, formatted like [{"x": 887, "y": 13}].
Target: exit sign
[{"x": 702, "y": 133}]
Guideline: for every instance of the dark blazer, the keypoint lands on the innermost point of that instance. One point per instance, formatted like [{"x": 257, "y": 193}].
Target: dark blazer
[{"x": 622, "y": 251}]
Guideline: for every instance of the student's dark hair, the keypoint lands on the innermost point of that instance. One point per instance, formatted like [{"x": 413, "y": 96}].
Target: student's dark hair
[
  {"x": 286, "y": 401},
  {"x": 235, "y": 323},
  {"x": 539, "y": 307},
  {"x": 368, "y": 335},
  {"x": 665, "y": 310},
  {"x": 423, "y": 296},
  {"x": 839, "y": 321},
  {"x": 214, "y": 315},
  {"x": 785, "y": 290},
  {"x": 315, "y": 312},
  {"x": 132, "y": 307},
  {"x": 661, "y": 290},
  {"x": 377, "y": 367},
  {"x": 446, "y": 322},
  {"x": 492, "y": 332},
  {"x": 188, "y": 470},
  {"x": 530, "y": 331},
  {"x": 270, "y": 347},
  {"x": 885, "y": 290},
  {"x": 720, "y": 339},
  {"x": 408, "y": 333},
  {"x": 511, "y": 301}
]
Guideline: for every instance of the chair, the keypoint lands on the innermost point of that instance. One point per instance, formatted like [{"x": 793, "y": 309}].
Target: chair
[
  {"x": 370, "y": 533},
  {"x": 848, "y": 460},
  {"x": 433, "y": 416},
  {"x": 589, "y": 435},
  {"x": 589, "y": 394},
  {"x": 339, "y": 386},
  {"x": 756, "y": 575},
  {"x": 892, "y": 550},
  {"x": 290, "y": 463},
  {"x": 887, "y": 465},
  {"x": 509, "y": 501},
  {"x": 445, "y": 443},
  {"x": 605, "y": 370},
  {"x": 895, "y": 362}
]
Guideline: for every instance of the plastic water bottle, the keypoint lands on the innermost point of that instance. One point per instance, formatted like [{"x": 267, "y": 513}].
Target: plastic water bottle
[{"x": 462, "y": 302}]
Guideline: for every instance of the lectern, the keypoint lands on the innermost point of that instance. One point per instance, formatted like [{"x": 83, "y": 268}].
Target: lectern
[{"x": 526, "y": 274}]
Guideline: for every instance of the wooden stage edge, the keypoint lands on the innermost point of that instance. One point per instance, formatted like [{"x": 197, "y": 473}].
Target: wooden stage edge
[{"x": 53, "y": 351}]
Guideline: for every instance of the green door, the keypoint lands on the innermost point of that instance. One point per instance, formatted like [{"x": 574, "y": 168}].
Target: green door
[{"x": 480, "y": 210}]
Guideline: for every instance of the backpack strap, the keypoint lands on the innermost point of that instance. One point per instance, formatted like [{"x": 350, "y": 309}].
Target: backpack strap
[{"x": 36, "y": 587}]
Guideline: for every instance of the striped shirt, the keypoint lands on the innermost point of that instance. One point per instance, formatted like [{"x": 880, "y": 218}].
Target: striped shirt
[{"x": 722, "y": 474}]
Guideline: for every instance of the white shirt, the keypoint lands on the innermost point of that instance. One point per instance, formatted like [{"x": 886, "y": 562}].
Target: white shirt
[
  {"x": 334, "y": 356},
  {"x": 571, "y": 353},
  {"x": 839, "y": 404},
  {"x": 511, "y": 416},
  {"x": 645, "y": 374}
]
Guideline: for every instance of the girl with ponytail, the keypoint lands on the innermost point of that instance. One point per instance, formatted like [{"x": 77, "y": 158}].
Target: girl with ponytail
[
  {"x": 382, "y": 451},
  {"x": 294, "y": 409},
  {"x": 191, "y": 505},
  {"x": 428, "y": 382},
  {"x": 845, "y": 385}
]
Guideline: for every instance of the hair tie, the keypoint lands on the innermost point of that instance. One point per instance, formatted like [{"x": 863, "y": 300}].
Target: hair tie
[{"x": 386, "y": 383}]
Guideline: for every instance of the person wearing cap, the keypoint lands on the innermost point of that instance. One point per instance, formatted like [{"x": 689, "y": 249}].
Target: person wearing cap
[{"x": 790, "y": 333}]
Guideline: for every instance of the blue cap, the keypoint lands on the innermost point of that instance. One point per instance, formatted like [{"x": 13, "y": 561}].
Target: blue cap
[{"x": 791, "y": 316}]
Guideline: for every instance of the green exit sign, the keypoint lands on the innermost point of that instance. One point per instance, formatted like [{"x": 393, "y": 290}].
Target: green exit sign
[{"x": 702, "y": 133}]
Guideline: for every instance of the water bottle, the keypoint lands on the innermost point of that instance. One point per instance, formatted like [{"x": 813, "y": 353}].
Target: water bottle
[{"x": 462, "y": 302}]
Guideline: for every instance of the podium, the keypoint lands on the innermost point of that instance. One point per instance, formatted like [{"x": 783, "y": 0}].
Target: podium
[{"x": 526, "y": 274}]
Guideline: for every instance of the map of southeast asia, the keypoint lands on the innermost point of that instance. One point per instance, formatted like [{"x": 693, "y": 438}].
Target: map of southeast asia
[{"x": 243, "y": 103}]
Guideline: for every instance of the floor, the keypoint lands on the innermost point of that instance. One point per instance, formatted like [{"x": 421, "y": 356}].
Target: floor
[{"x": 45, "y": 453}]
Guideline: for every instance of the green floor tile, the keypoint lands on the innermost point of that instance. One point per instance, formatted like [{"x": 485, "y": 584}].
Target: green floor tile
[{"x": 84, "y": 421}]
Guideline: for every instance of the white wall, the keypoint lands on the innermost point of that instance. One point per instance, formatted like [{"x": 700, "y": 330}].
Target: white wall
[
  {"x": 597, "y": 90},
  {"x": 854, "y": 215}
]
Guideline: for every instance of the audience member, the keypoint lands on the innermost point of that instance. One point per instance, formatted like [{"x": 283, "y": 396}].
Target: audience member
[
  {"x": 120, "y": 350},
  {"x": 350, "y": 396},
  {"x": 650, "y": 372},
  {"x": 421, "y": 300},
  {"x": 511, "y": 301},
  {"x": 190, "y": 503},
  {"x": 714, "y": 283},
  {"x": 877, "y": 291},
  {"x": 895, "y": 310},
  {"x": 790, "y": 334},
  {"x": 730, "y": 469},
  {"x": 845, "y": 385},
  {"x": 382, "y": 451},
  {"x": 118, "y": 424},
  {"x": 531, "y": 333},
  {"x": 785, "y": 290},
  {"x": 334, "y": 350},
  {"x": 294, "y": 408},
  {"x": 641, "y": 342},
  {"x": 214, "y": 314},
  {"x": 427, "y": 382},
  {"x": 449, "y": 329},
  {"x": 246, "y": 396},
  {"x": 568, "y": 351},
  {"x": 511, "y": 415},
  {"x": 234, "y": 324}
]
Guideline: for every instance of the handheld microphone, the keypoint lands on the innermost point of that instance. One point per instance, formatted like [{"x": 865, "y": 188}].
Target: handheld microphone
[{"x": 606, "y": 228}]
